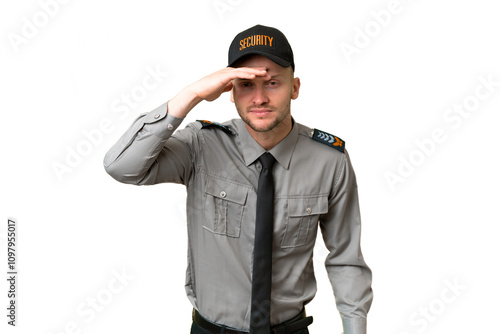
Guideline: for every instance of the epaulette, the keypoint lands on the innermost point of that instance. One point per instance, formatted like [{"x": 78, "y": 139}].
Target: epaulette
[
  {"x": 328, "y": 139},
  {"x": 208, "y": 124}
]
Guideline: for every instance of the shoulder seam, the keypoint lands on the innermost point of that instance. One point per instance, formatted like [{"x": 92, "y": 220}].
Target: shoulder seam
[{"x": 341, "y": 171}]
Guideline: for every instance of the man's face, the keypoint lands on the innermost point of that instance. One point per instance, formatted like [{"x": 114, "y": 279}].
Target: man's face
[{"x": 263, "y": 103}]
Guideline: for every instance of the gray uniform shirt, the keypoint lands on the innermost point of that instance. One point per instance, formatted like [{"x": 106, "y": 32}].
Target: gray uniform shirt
[{"x": 315, "y": 186}]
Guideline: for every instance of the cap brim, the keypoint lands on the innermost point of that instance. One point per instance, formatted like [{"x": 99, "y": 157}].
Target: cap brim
[{"x": 280, "y": 61}]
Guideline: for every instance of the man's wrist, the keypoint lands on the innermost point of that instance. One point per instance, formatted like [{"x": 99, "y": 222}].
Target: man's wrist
[{"x": 183, "y": 103}]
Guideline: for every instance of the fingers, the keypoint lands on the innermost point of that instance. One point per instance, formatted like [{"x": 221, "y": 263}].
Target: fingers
[
  {"x": 248, "y": 72},
  {"x": 212, "y": 86}
]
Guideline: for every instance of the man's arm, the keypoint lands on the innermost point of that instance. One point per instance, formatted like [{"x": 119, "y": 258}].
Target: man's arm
[
  {"x": 141, "y": 155},
  {"x": 350, "y": 276}
]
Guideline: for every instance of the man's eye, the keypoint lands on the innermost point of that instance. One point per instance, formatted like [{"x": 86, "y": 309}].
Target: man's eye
[
  {"x": 273, "y": 83},
  {"x": 245, "y": 84}
]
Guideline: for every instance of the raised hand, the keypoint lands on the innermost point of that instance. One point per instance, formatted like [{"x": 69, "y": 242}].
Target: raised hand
[{"x": 210, "y": 88}]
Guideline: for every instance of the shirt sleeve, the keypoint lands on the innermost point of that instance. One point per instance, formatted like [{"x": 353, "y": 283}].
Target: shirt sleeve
[
  {"x": 143, "y": 156},
  {"x": 349, "y": 275}
]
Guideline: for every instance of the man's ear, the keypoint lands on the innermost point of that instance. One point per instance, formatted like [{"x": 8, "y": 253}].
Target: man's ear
[
  {"x": 231, "y": 94},
  {"x": 295, "y": 88}
]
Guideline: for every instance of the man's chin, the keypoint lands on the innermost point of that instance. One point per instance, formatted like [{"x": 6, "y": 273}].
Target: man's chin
[{"x": 262, "y": 125}]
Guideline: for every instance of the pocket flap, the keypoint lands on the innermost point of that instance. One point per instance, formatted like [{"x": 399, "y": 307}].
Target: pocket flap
[
  {"x": 307, "y": 206},
  {"x": 227, "y": 190}
]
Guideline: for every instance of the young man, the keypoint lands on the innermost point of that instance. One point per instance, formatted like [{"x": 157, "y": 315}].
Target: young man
[{"x": 258, "y": 187}]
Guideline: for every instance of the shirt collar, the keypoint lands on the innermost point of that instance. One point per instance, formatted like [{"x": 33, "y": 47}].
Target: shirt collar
[{"x": 252, "y": 150}]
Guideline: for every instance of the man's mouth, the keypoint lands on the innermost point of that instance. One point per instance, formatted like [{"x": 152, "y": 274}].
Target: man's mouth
[{"x": 260, "y": 112}]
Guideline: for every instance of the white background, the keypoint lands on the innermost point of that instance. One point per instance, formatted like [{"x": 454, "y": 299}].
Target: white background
[{"x": 436, "y": 227}]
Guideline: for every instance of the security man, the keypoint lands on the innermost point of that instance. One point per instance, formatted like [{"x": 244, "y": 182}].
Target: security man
[{"x": 258, "y": 189}]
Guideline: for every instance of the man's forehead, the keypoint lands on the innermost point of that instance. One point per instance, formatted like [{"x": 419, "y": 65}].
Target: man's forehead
[{"x": 278, "y": 76}]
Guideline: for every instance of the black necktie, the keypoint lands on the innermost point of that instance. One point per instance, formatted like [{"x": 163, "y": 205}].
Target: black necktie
[{"x": 262, "y": 256}]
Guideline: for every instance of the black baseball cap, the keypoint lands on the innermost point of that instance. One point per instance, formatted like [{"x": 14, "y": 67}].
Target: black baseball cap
[{"x": 261, "y": 40}]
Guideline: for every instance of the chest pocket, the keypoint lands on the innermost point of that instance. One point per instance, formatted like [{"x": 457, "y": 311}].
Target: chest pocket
[
  {"x": 302, "y": 215},
  {"x": 224, "y": 206}
]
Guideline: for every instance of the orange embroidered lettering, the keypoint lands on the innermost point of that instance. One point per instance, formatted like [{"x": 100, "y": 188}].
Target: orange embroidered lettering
[{"x": 256, "y": 40}]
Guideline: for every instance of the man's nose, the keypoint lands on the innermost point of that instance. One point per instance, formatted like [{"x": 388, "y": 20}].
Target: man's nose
[{"x": 260, "y": 96}]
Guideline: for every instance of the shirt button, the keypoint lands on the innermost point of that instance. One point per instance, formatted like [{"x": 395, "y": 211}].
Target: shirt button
[
  {"x": 157, "y": 116},
  {"x": 170, "y": 127},
  {"x": 223, "y": 194},
  {"x": 308, "y": 210}
]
